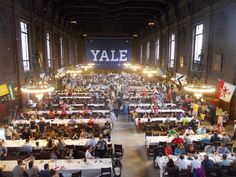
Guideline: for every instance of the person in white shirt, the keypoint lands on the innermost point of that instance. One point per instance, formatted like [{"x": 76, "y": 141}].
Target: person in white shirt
[
  {"x": 91, "y": 142},
  {"x": 196, "y": 164},
  {"x": 88, "y": 153},
  {"x": 189, "y": 131},
  {"x": 182, "y": 163}
]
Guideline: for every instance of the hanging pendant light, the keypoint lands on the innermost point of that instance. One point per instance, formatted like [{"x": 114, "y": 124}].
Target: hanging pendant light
[
  {"x": 197, "y": 87},
  {"x": 37, "y": 86},
  {"x": 198, "y": 90}
]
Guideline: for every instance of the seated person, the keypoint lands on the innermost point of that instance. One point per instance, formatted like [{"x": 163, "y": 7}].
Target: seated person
[
  {"x": 170, "y": 168},
  {"x": 172, "y": 132},
  {"x": 205, "y": 139},
  {"x": 84, "y": 134},
  {"x": 207, "y": 164},
  {"x": 196, "y": 164},
  {"x": 90, "y": 123},
  {"x": 45, "y": 172},
  {"x": 177, "y": 140},
  {"x": 168, "y": 150},
  {"x": 214, "y": 137},
  {"x": 225, "y": 162},
  {"x": 222, "y": 149},
  {"x": 88, "y": 153},
  {"x": 27, "y": 147},
  {"x": 37, "y": 147},
  {"x": 184, "y": 120},
  {"x": 189, "y": 131},
  {"x": 201, "y": 130},
  {"x": 182, "y": 163},
  {"x": 225, "y": 139},
  {"x": 3, "y": 150},
  {"x": 180, "y": 149},
  {"x": 191, "y": 150},
  {"x": 187, "y": 139},
  {"x": 50, "y": 143},
  {"x": 32, "y": 170},
  {"x": 91, "y": 142},
  {"x": 210, "y": 149}
]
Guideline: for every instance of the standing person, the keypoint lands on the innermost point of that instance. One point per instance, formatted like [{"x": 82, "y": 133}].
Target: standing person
[
  {"x": 19, "y": 169},
  {"x": 115, "y": 108},
  {"x": 102, "y": 146}
]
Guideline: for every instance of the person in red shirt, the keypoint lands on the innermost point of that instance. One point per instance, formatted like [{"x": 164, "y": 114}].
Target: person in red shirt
[
  {"x": 51, "y": 114},
  {"x": 168, "y": 150},
  {"x": 90, "y": 123},
  {"x": 177, "y": 140}
]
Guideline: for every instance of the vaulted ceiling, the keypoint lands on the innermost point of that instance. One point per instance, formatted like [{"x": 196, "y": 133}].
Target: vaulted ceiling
[{"x": 109, "y": 16}]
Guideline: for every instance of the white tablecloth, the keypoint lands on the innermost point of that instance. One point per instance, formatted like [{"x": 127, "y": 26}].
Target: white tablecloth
[
  {"x": 163, "y": 119},
  {"x": 159, "y": 111},
  {"x": 150, "y": 104},
  {"x": 69, "y": 112},
  {"x": 43, "y": 142},
  {"x": 80, "y": 105},
  {"x": 156, "y": 139},
  {"x": 91, "y": 168},
  {"x": 101, "y": 122}
]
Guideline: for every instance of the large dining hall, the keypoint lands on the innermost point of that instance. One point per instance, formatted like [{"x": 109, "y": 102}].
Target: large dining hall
[{"x": 117, "y": 88}]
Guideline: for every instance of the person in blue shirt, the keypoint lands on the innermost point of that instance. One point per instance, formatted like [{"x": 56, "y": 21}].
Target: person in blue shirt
[
  {"x": 201, "y": 130},
  {"x": 179, "y": 149},
  {"x": 225, "y": 162},
  {"x": 222, "y": 149},
  {"x": 45, "y": 172}
]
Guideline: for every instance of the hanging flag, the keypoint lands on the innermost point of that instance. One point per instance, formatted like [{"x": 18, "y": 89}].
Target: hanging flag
[
  {"x": 11, "y": 92},
  {"x": 180, "y": 79},
  {"x": 225, "y": 90},
  {"x": 4, "y": 90}
]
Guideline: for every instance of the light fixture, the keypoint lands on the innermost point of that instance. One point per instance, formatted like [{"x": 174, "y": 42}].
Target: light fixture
[
  {"x": 135, "y": 35},
  {"x": 85, "y": 35},
  {"x": 37, "y": 86},
  {"x": 127, "y": 65},
  {"x": 151, "y": 23},
  {"x": 198, "y": 90},
  {"x": 73, "y": 22},
  {"x": 73, "y": 70}
]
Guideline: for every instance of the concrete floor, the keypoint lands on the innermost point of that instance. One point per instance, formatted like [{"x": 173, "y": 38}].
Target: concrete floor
[{"x": 135, "y": 162}]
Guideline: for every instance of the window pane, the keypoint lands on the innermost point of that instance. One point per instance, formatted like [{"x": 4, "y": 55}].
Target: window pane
[
  {"x": 171, "y": 51},
  {"x": 198, "y": 42},
  {"x": 25, "y": 46},
  {"x": 49, "y": 49},
  {"x": 141, "y": 54},
  {"x": 61, "y": 52},
  {"x": 148, "y": 50},
  {"x": 157, "y": 50}
]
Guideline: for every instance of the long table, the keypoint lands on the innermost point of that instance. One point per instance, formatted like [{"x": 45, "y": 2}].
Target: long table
[
  {"x": 69, "y": 112},
  {"x": 100, "y": 122},
  {"x": 156, "y": 139},
  {"x": 161, "y": 119},
  {"x": 159, "y": 111},
  {"x": 43, "y": 142},
  {"x": 91, "y": 168},
  {"x": 150, "y": 104},
  {"x": 81, "y": 105},
  {"x": 162, "y": 161}
]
